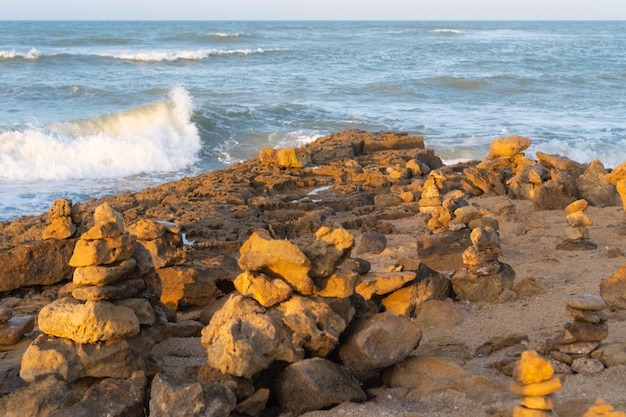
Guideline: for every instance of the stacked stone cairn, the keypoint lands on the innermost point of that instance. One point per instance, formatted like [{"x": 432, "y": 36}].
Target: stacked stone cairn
[
  {"x": 534, "y": 380},
  {"x": 293, "y": 303},
  {"x": 483, "y": 277},
  {"x": 583, "y": 335},
  {"x": 60, "y": 221},
  {"x": 108, "y": 324},
  {"x": 576, "y": 232},
  {"x": 13, "y": 328}
]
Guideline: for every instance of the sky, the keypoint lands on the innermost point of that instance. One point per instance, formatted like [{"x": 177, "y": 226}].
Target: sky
[{"x": 312, "y": 9}]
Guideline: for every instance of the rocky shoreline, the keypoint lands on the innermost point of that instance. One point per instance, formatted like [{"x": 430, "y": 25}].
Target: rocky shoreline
[{"x": 359, "y": 263}]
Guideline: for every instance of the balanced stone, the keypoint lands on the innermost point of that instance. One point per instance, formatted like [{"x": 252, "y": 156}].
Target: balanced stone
[
  {"x": 118, "y": 291},
  {"x": 585, "y": 302},
  {"x": 264, "y": 290},
  {"x": 103, "y": 275},
  {"x": 103, "y": 251},
  {"x": 87, "y": 323}
]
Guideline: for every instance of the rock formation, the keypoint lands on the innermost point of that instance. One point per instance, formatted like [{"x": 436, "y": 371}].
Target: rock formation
[
  {"x": 12, "y": 329},
  {"x": 583, "y": 335},
  {"x": 103, "y": 328},
  {"x": 60, "y": 221},
  {"x": 483, "y": 277},
  {"x": 576, "y": 232},
  {"x": 534, "y": 381}
]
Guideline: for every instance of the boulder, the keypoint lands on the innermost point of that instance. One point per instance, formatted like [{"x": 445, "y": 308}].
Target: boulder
[
  {"x": 442, "y": 252},
  {"x": 91, "y": 322},
  {"x": 313, "y": 324},
  {"x": 244, "y": 338},
  {"x": 341, "y": 284},
  {"x": 103, "y": 251},
  {"x": 327, "y": 250},
  {"x": 12, "y": 330},
  {"x": 40, "y": 398},
  {"x": 482, "y": 288},
  {"x": 508, "y": 147},
  {"x": 44, "y": 262},
  {"x": 613, "y": 289},
  {"x": 277, "y": 257},
  {"x": 293, "y": 158},
  {"x": 377, "y": 342},
  {"x": 593, "y": 187},
  {"x": 170, "y": 396},
  {"x": 264, "y": 290},
  {"x": 112, "y": 397},
  {"x": 71, "y": 361},
  {"x": 315, "y": 384},
  {"x": 103, "y": 275},
  {"x": 193, "y": 284},
  {"x": 371, "y": 242}
]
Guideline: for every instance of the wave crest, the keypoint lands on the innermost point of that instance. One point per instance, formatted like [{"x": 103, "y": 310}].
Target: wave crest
[
  {"x": 158, "y": 137},
  {"x": 12, "y": 54},
  {"x": 158, "y": 56}
]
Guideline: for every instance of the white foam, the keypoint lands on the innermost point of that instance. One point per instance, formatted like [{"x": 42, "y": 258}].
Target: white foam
[
  {"x": 30, "y": 55},
  {"x": 452, "y": 31},
  {"x": 190, "y": 55},
  {"x": 157, "y": 137},
  {"x": 225, "y": 35}
]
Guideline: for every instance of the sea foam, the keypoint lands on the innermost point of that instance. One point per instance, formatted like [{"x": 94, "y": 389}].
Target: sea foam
[
  {"x": 12, "y": 54},
  {"x": 158, "y": 137},
  {"x": 191, "y": 55}
]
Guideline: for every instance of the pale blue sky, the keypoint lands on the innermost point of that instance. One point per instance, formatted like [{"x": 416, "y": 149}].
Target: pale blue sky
[{"x": 314, "y": 9}]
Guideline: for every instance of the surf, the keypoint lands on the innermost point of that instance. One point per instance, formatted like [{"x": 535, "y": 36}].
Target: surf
[{"x": 154, "y": 138}]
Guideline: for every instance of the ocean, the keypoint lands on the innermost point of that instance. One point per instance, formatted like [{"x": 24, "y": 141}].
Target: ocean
[{"x": 90, "y": 108}]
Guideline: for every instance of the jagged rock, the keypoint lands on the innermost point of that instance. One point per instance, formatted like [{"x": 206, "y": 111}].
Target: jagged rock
[
  {"x": 40, "y": 398},
  {"x": 71, "y": 361},
  {"x": 103, "y": 251},
  {"x": 613, "y": 289},
  {"x": 243, "y": 338},
  {"x": 383, "y": 283},
  {"x": 12, "y": 330},
  {"x": 59, "y": 217},
  {"x": 618, "y": 177},
  {"x": 277, "y": 257},
  {"x": 103, "y": 275},
  {"x": 442, "y": 252},
  {"x": 551, "y": 195},
  {"x": 170, "y": 396},
  {"x": 313, "y": 323},
  {"x": 592, "y": 186},
  {"x": 108, "y": 223},
  {"x": 328, "y": 249},
  {"x": 193, "y": 284},
  {"x": 265, "y": 291},
  {"x": 43, "y": 262},
  {"x": 371, "y": 242},
  {"x": 341, "y": 284},
  {"x": 559, "y": 162},
  {"x": 376, "y": 343},
  {"x": 111, "y": 397},
  {"x": 293, "y": 158},
  {"x": 315, "y": 384},
  {"x": 91, "y": 322},
  {"x": 483, "y": 288},
  {"x": 166, "y": 250},
  {"x": 391, "y": 141}
]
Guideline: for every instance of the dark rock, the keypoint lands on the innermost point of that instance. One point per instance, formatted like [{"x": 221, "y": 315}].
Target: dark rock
[
  {"x": 376, "y": 343},
  {"x": 40, "y": 398},
  {"x": 442, "y": 252},
  {"x": 171, "y": 396},
  {"x": 315, "y": 384},
  {"x": 593, "y": 188},
  {"x": 112, "y": 397},
  {"x": 371, "y": 242},
  {"x": 483, "y": 288}
]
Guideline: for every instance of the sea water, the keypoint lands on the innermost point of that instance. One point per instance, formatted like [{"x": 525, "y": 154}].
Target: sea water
[{"x": 94, "y": 108}]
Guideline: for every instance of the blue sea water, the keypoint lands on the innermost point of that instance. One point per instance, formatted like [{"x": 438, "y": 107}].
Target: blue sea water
[{"x": 94, "y": 108}]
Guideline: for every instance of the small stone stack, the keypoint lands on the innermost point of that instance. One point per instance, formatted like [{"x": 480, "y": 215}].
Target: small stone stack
[
  {"x": 60, "y": 219},
  {"x": 96, "y": 331},
  {"x": 534, "y": 380},
  {"x": 583, "y": 335},
  {"x": 12, "y": 329},
  {"x": 577, "y": 235},
  {"x": 430, "y": 203},
  {"x": 602, "y": 409},
  {"x": 483, "y": 277}
]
